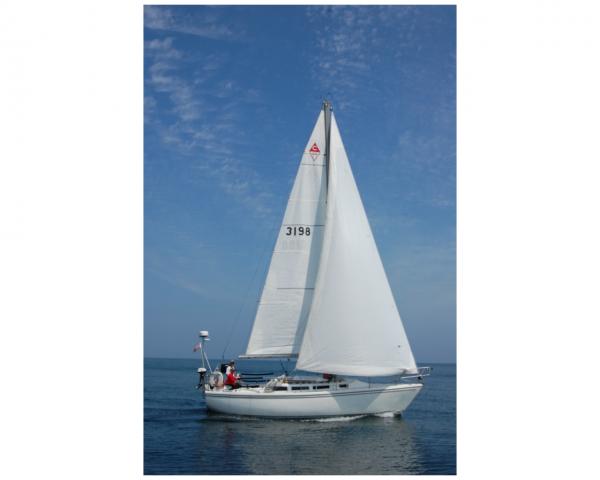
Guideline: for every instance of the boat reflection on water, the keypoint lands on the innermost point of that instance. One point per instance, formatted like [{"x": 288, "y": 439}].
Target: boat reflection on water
[{"x": 341, "y": 445}]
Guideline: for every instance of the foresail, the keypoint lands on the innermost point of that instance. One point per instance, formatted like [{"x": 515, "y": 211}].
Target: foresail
[
  {"x": 354, "y": 327},
  {"x": 289, "y": 286}
]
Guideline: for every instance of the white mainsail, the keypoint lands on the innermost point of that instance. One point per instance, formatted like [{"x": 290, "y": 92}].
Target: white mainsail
[
  {"x": 289, "y": 286},
  {"x": 354, "y": 327}
]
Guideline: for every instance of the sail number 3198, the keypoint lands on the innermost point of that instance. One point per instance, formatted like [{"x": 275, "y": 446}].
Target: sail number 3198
[{"x": 297, "y": 231}]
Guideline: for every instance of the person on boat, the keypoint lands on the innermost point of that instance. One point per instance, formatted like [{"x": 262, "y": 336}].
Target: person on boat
[{"x": 232, "y": 378}]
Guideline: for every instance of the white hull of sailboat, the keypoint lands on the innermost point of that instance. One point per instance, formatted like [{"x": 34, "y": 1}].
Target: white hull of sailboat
[{"x": 363, "y": 401}]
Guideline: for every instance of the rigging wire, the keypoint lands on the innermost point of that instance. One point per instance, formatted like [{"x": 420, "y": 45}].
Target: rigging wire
[
  {"x": 243, "y": 304},
  {"x": 283, "y": 366}
]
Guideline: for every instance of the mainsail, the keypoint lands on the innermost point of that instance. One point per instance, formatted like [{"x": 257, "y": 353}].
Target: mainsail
[
  {"x": 289, "y": 286},
  {"x": 354, "y": 327}
]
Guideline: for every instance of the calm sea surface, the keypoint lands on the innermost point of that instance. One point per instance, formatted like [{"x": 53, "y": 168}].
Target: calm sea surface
[{"x": 181, "y": 437}]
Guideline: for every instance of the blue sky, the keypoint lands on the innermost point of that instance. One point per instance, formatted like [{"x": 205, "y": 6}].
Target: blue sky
[{"x": 230, "y": 97}]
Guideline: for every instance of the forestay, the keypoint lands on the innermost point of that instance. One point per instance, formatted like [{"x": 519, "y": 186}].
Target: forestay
[
  {"x": 354, "y": 327},
  {"x": 289, "y": 286}
]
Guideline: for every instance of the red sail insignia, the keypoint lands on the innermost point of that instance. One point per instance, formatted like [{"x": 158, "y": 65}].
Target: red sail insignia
[{"x": 314, "y": 148}]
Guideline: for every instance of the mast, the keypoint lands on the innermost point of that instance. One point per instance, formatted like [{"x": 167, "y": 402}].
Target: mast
[{"x": 327, "y": 108}]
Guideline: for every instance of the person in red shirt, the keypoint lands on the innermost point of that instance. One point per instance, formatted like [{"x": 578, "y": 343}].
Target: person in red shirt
[{"x": 231, "y": 378}]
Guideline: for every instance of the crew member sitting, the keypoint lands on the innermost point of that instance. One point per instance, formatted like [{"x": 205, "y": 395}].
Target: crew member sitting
[{"x": 231, "y": 378}]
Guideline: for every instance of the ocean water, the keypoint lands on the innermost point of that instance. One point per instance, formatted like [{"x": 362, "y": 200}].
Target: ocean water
[{"x": 181, "y": 437}]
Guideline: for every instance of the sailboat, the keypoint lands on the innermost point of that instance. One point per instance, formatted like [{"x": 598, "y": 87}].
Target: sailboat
[{"x": 327, "y": 303}]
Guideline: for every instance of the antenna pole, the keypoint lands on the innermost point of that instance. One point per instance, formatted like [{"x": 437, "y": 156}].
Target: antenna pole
[{"x": 327, "y": 108}]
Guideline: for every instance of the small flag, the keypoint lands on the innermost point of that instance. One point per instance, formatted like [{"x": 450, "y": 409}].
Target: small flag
[{"x": 197, "y": 347}]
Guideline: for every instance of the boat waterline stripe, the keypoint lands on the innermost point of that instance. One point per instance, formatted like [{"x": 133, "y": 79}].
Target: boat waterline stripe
[{"x": 261, "y": 396}]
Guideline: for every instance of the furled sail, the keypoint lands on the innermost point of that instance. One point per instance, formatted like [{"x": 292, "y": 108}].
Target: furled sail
[
  {"x": 289, "y": 286},
  {"x": 353, "y": 327}
]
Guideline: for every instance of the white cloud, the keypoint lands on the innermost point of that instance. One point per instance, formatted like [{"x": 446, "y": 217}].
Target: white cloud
[
  {"x": 347, "y": 46},
  {"x": 167, "y": 19},
  {"x": 206, "y": 132}
]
